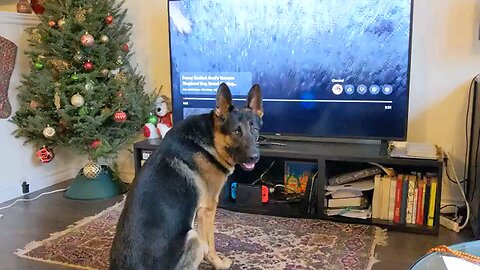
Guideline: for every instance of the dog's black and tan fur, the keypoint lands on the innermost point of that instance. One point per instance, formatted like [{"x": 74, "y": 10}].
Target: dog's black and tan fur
[{"x": 181, "y": 182}]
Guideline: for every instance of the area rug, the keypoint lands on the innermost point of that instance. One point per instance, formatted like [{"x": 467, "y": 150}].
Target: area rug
[{"x": 252, "y": 241}]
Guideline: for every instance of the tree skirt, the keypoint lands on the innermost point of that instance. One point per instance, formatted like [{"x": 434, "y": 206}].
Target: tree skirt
[
  {"x": 8, "y": 54},
  {"x": 252, "y": 241}
]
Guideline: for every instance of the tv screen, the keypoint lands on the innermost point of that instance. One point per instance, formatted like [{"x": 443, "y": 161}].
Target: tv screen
[{"x": 336, "y": 69}]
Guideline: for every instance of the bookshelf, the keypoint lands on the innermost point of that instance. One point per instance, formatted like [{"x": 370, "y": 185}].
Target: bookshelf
[{"x": 331, "y": 158}]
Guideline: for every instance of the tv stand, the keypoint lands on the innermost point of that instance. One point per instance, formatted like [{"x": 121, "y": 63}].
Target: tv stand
[{"x": 331, "y": 158}]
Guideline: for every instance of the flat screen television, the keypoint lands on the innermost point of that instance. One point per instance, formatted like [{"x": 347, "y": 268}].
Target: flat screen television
[{"x": 334, "y": 69}]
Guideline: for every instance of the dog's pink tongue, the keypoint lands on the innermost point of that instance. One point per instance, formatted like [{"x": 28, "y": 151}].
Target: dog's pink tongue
[{"x": 249, "y": 166}]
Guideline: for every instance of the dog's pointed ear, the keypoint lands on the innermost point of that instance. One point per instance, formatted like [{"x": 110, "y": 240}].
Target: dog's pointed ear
[
  {"x": 255, "y": 100},
  {"x": 224, "y": 101}
]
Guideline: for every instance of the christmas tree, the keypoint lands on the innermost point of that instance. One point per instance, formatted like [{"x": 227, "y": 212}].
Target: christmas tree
[{"x": 82, "y": 91}]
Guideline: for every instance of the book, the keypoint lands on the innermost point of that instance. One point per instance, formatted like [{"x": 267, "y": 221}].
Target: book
[
  {"x": 415, "y": 204},
  {"x": 398, "y": 199},
  {"x": 391, "y": 200},
  {"x": 385, "y": 186},
  {"x": 377, "y": 192},
  {"x": 403, "y": 206},
  {"x": 345, "y": 202},
  {"x": 410, "y": 194},
  {"x": 431, "y": 210},
  {"x": 426, "y": 200},
  {"x": 420, "y": 201}
]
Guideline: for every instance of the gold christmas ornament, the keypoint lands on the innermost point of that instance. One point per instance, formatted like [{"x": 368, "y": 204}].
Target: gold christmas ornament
[
  {"x": 104, "y": 39},
  {"x": 77, "y": 100},
  {"x": 61, "y": 23},
  {"x": 59, "y": 65},
  {"x": 105, "y": 72},
  {"x": 35, "y": 36},
  {"x": 57, "y": 101},
  {"x": 48, "y": 132},
  {"x": 92, "y": 170},
  {"x": 80, "y": 15},
  {"x": 121, "y": 77}
]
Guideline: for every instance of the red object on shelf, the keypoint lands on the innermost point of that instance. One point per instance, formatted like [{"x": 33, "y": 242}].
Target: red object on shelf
[{"x": 37, "y": 6}]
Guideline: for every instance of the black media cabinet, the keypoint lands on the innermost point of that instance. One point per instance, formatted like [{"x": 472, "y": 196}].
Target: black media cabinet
[{"x": 332, "y": 158}]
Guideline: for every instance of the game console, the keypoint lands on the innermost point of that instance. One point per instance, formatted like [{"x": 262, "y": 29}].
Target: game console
[{"x": 248, "y": 194}]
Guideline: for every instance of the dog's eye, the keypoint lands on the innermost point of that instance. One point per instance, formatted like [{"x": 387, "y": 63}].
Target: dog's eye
[{"x": 237, "y": 132}]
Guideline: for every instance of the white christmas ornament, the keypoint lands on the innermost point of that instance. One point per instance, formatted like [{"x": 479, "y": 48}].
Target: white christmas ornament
[{"x": 77, "y": 100}]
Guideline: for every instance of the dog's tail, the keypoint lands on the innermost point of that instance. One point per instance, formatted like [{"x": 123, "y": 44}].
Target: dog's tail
[{"x": 192, "y": 256}]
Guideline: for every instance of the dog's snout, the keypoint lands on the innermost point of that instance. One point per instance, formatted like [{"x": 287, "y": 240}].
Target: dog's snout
[{"x": 253, "y": 158}]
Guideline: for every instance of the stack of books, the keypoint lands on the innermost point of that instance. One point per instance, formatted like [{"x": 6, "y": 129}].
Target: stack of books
[
  {"x": 349, "y": 200},
  {"x": 405, "y": 198}
]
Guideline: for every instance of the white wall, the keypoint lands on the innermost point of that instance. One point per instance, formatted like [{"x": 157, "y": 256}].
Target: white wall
[
  {"x": 446, "y": 55},
  {"x": 18, "y": 162}
]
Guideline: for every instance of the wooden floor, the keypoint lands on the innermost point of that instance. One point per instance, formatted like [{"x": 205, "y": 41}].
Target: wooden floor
[{"x": 35, "y": 220}]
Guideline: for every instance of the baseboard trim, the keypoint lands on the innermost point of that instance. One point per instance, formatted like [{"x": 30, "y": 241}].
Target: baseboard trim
[{"x": 38, "y": 183}]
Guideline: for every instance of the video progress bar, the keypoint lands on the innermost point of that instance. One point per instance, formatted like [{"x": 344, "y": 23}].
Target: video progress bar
[{"x": 301, "y": 100}]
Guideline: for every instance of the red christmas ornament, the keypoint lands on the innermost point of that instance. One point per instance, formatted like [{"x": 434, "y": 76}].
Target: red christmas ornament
[
  {"x": 37, "y": 6},
  {"x": 88, "y": 66},
  {"x": 45, "y": 154},
  {"x": 125, "y": 47},
  {"x": 96, "y": 143},
  {"x": 120, "y": 117},
  {"x": 87, "y": 40},
  {"x": 109, "y": 19},
  {"x": 52, "y": 24}
]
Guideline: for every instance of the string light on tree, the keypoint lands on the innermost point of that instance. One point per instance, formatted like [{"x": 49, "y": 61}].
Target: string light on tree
[
  {"x": 125, "y": 47},
  {"x": 52, "y": 23}
]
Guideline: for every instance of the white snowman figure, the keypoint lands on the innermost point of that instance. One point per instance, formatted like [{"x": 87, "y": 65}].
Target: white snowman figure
[{"x": 164, "y": 114}]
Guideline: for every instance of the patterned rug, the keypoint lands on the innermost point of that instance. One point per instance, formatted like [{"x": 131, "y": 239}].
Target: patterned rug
[{"x": 252, "y": 241}]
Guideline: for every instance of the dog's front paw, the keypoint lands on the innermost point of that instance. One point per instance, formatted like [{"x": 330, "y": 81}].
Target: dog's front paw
[{"x": 218, "y": 263}]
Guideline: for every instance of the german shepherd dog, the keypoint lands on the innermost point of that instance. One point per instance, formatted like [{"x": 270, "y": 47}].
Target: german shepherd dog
[{"x": 180, "y": 183}]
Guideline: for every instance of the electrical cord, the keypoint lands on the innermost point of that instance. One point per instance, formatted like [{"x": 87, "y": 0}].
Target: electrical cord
[
  {"x": 263, "y": 174},
  {"x": 448, "y": 175},
  {"x": 32, "y": 199},
  {"x": 467, "y": 205}
]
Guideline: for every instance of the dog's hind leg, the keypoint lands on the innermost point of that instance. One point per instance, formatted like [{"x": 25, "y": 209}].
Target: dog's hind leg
[{"x": 192, "y": 256}]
